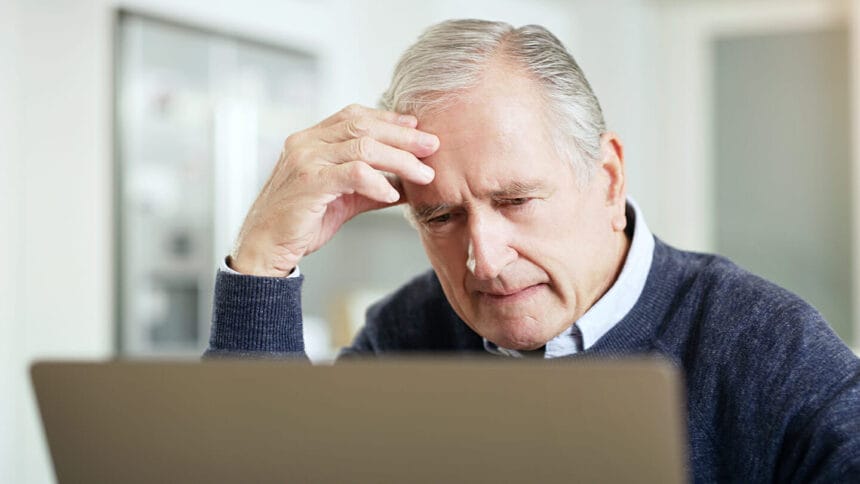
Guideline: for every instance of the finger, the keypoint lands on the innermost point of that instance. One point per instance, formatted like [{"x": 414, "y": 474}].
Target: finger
[
  {"x": 361, "y": 178},
  {"x": 380, "y": 156},
  {"x": 417, "y": 142},
  {"x": 357, "y": 110}
]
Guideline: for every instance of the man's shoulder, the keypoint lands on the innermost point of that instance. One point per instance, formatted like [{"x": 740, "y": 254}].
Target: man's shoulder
[
  {"x": 738, "y": 314},
  {"x": 415, "y": 317},
  {"x": 722, "y": 286},
  {"x": 711, "y": 302},
  {"x": 765, "y": 373}
]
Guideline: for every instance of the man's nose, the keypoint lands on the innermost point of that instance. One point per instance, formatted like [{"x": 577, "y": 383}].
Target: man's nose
[{"x": 489, "y": 249}]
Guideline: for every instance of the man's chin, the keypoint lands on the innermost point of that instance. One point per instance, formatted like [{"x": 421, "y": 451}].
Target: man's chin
[
  {"x": 523, "y": 346},
  {"x": 521, "y": 331},
  {"x": 520, "y": 340}
]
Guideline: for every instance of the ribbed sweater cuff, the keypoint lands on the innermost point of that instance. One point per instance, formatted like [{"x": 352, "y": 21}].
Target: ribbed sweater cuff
[{"x": 253, "y": 315}]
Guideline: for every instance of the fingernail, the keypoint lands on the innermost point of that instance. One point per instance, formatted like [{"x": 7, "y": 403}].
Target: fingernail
[
  {"x": 393, "y": 196},
  {"x": 428, "y": 140},
  {"x": 406, "y": 119},
  {"x": 426, "y": 172}
]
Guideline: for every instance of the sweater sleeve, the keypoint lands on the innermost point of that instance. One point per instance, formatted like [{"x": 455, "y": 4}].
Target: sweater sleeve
[{"x": 256, "y": 317}]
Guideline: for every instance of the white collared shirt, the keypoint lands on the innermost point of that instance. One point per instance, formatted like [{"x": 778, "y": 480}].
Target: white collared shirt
[{"x": 614, "y": 305}]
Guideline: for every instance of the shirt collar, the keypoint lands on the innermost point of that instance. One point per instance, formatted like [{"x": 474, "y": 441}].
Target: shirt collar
[{"x": 615, "y": 304}]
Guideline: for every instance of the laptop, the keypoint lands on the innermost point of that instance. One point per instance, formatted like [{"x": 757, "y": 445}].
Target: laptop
[{"x": 381, "y": 421}]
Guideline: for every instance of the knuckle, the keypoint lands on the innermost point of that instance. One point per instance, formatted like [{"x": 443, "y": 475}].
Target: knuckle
[
  {"x": 358, "y": 127},
  {"x": 291, "y": 141},
  {"x": 352, "y": 110},
  {"x": 363, "y": 147},
  {"x": 360, "y": 172}
]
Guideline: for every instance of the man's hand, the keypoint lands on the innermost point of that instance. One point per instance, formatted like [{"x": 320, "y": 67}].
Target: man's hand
[{"x": 326, "y": 175}]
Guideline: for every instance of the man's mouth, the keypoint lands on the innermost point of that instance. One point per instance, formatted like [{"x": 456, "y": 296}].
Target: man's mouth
[{"x": 511, "y": 295}]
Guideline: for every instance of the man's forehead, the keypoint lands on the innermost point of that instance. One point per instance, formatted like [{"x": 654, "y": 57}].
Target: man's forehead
[
  {"x": 493, "y": 141},
  {"x": 471, "y": 171},
  {"x": 494, "y": 114},
  {"x": 462, "y": 137}
]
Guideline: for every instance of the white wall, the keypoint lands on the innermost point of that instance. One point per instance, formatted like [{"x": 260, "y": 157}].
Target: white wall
[
  {"x": 613, "y": 42},
  {"x": 56, "y": 293},
  {"x": 385, "y": 28},
  {"x": 59, "y": 263},
  {"x": 11, "y": 370}
]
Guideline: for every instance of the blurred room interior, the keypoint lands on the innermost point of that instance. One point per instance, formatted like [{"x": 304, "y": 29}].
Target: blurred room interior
[{"x": 134, "y": 136}]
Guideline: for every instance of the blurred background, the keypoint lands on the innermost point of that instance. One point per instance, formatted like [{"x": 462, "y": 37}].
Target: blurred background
[{"x": 135, "y": 134}]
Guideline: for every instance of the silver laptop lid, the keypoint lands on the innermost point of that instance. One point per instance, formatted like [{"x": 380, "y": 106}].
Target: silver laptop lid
[{"x": 377, "y": 421}]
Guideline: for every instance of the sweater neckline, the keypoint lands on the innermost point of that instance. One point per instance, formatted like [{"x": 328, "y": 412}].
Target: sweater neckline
[{"x": 637, "y": 330}]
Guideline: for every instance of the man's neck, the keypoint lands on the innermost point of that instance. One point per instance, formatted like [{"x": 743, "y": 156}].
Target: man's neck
[{"x": 621, "y": 242}]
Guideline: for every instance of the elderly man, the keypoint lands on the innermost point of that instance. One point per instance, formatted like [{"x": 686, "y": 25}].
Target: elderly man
[{"x": 494, "y": 139}]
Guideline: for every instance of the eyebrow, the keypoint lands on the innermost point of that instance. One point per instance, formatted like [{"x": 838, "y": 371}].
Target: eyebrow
[
  {"x": 516, "y": 189},
  {"x": 427, "y": 211}
]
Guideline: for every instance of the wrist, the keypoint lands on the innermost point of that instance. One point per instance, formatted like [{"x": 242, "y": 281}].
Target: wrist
[{"x": 251, "y": 264}]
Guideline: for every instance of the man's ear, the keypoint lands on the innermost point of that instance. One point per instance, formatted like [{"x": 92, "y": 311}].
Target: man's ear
[{"x": 612, "y": 166}]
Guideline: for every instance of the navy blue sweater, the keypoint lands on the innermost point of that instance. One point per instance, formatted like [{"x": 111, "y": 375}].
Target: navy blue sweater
[{"x": 772, "y": 393}]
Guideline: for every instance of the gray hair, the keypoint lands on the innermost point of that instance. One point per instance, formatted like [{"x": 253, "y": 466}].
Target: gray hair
[{"x": 451, "y": 56}]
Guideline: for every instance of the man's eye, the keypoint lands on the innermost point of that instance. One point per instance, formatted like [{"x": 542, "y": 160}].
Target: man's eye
[
  {"x": 439, "y": 219},
  {"x": 515, "y": 201}
]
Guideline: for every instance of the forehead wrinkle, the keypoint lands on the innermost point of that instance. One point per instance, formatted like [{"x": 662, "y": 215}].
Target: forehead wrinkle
[{"x": 518, "y": 188}]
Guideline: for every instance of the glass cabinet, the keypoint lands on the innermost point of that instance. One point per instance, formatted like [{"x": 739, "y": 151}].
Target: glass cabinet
[{"x": 200, "y": 120}]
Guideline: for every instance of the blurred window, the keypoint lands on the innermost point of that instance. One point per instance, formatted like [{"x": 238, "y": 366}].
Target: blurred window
[
  {"x": 200, "y": 121},
  {"x": 783, "y": 163}
]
